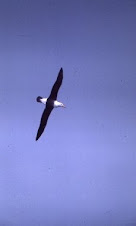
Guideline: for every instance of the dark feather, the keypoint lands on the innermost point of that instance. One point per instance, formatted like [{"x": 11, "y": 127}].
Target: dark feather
[
  {"x": 56, "y": 86},
  {"x": 38, "y": 99},
  {"x": 44, "y": 120}
]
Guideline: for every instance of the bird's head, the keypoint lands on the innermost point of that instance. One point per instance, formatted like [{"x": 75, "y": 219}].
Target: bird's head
[
  {"x": 58, "y": 104},
  {"x": 62, "y": 105}
]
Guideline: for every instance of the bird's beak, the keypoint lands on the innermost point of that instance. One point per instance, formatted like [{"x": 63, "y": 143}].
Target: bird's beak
[{"x": 63, "y": 106}]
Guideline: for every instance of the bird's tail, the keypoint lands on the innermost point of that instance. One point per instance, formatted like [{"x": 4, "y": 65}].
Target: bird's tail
[{"x": 39, "y": 99}]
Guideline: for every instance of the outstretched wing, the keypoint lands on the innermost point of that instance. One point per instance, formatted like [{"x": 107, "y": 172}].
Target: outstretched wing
[
  {"x": 56, "y": 86},
  {"x": 44, "y": 120}
]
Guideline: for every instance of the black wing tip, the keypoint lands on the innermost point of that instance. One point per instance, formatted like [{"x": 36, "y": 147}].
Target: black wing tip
[
  {"x": 37, "y": 137},
  {"x": 61, "y": 69}
]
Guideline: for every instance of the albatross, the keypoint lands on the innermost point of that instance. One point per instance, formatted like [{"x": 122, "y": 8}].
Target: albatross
[{"x": 50, "y": 103}]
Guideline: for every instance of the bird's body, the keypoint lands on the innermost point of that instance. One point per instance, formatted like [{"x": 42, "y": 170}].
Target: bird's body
[
  {"x": 54, "y": 103},
  {"x": 50, "y": 103}
]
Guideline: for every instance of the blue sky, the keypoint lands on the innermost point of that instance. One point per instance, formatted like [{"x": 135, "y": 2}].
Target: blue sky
[{"x": 82, "y": 171}]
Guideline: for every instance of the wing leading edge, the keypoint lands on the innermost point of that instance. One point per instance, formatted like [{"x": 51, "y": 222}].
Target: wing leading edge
[
  {"x": 44, "y": 119},
  {"x": 56, "y": 86}
]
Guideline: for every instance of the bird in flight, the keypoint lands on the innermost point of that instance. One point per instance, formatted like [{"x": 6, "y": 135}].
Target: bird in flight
[{"x": 50, "y": 102}]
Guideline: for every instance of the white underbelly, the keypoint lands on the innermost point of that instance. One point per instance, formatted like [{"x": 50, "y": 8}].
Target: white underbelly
[{"x": 44, "y": 100}]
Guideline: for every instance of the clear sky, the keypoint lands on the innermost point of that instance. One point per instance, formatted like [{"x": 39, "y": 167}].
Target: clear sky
[{"x": 82, "y": 170}]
